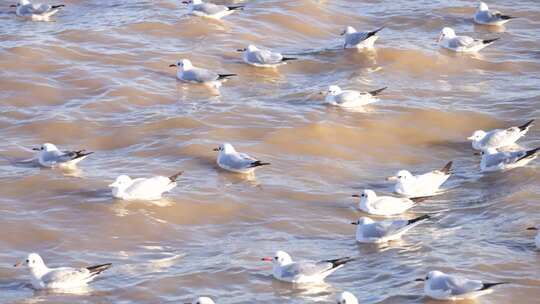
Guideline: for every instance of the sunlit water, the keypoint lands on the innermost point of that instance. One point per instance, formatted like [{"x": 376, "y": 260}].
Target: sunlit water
[{"x": 97, "y": 77}]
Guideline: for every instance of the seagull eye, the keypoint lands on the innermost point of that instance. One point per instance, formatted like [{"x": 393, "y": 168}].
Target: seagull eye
[
  {"x": 363, "y": 195},
  {"x": 27, "y": 261}
]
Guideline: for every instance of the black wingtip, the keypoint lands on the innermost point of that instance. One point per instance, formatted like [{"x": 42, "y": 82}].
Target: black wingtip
[
  {"x": 288, "y": 58},
  {"x": 375, "y": 31},
  {"x": 420, "y": 218},
  {"x": 58, "y": 6},
  {"x": 488, "y": 41},
  {"x": 506, "y": 17},
  {"x": 174, "y": 178},
  {"x": 97, "y": 269},
  {"x": 225, "y": 76},
  {"x": 377, "y": 92},
  {"x": 258, "y": 164},
  {"x": 528, "y": 154},
  {"x": 526, "y": 125},
  {"x": 419, "y": 199},
  {"x": 236, "y": 7},
  {"x": 82, "y": 153},
  {"x": 447, "y": 169},
  {"x": 341, "y": 261},
  {"x": 489, "y": 285}
]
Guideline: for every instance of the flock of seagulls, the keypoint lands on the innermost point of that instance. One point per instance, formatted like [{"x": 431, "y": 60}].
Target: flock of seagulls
[{"x": 498, "y": 152}]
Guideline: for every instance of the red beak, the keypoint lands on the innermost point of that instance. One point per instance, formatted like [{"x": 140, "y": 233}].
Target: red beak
[{"x": 267, "y": 259}]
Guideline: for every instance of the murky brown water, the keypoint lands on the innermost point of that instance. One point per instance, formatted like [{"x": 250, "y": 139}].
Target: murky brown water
[{"x": 98, "y": 78}]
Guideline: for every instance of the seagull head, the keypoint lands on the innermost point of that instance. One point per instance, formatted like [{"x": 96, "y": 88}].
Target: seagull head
[
  {"x": 21, "y": 2},
  {"x": 184, "y": 64},
  {"x": 33, "y": 260},
  {"x": 225, "y": 148},
  {"x": 334, "y": 90},
  {"x": 446, "y": 33},
  {"x": 489, "y": 151},
  {"x": 363, "y": 221},
  {"x": 348, "y": 30},
  {"x": 366, "y": 195},
  {"x": 202, "y": 300},
  {"x": 401, "y": 176},
  {"x": 347, "y": 298},
  {"x": 252, "y": 48},
  {"x": 47, "y": 147},
  {"x": 121, "y": 182},
  {"x": 482, "y": 7},
  {"x": 280, "y": 258},
  {"x": 477, "y": 135}
]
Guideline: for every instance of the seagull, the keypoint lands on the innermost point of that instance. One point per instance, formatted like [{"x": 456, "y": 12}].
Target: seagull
[
  {"x": 149, "y": 189},
  {"x": 441, "y": 286},
  {"x": 202, "y": 300},
  {"x": 44, "y": 277},
  {"x": 49, "y": 156},
  {"x": 359, "y": 40},
  {"x": 370, "y": 231},
  {"x": 284, "y": 269},
  {"x": 385, "y": 205},
  {"x": 537, "y": 238},
  {"x": 231, "y": 160},
  {"x": 498, "y": 138},
  {"x": 492, "y": 160},
  {"x": 350, "y": 98},
  {"x": 36, "y": 12},
  {"x": 486, "y": 17},
  {"x": 427, "y": 184},
  {"x": 188, "y": 73},
  {"x": 346, "y": 298},
  {"x": 461, "y": 44},
  {"x": 263, "y": 58},
  {"x": 210, "y": 10}
]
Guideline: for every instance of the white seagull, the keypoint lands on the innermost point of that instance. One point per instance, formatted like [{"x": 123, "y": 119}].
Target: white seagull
[
  {"x": 44, "y": 277},
  {"x": 202, "y": 300},
  {"x": 350, "y": 98},
  {"x": 537, "y": 238},
  {"x": 49, "y": 156},
  {"x": 370, "y": 231},
  {"x": 36, "y": 12},
  {"x": 385, "y": 205},
  {"x": 461, "y": 44},
  {"x": 188, "y": 73},
  {"x": 346, "y": 298},
  {"x": 284, "y": 269},
  {"x": 231, "y": 160},
  {"x": 492, "y": 160},
  {"x": 441, "y": 286},
  {"x": 359, "y": 40},
  {"x": 149, "y": 189},
  {"x": 263, "y": 58},
  {"x": 489, "y": 17},
  {"x": 427, "y": 184},
  {"x": 498, "y": 138},
  {"x": 210, "y": 10}
]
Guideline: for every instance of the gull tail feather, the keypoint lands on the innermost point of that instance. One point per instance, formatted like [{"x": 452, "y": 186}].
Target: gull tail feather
[
  {"x": 527, "y": 125},
  {"x": 377, "y": 92}
]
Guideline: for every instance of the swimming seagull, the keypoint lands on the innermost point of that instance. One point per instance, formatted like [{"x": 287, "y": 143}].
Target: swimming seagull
[
  {"x": 441, "y": 286},
  {"x": 370, "y": 231},
  {"x": 263, "y": 58},
  {"x": 231, "y": 160},
  {"x": 462, "y": 44},
  {"x": 350, "y": 98},
  {"x": 202, "y": 300},
  {"x": 49, "y": 156},
  {"x": 188, "y": 73},
  {"x": 422, "y": 185},
  {"x": 346, "y": 298},
  {"x": 36, "y": 12},
  {"x": 490, "y": 17},
  {"x": 210, "y": 10},
  {"x": 359, "y": 40},
  {"x": 149, "y": 189},
  {"x": 537, "y": 238},
  {"x": 498, "y": 138},
  {"x": 492, "y": 160},
  {"x": 44, "y": 277},
  {"x": 284, "y": 269},
  {"x": 385, "y": 205}
]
